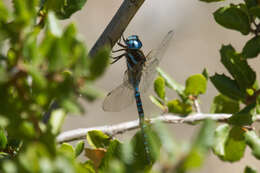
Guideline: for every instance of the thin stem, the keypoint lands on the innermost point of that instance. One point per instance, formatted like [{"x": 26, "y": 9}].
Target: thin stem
[
  {"x": 117, "y": 25},
  {"x": 120, "y": 128}
]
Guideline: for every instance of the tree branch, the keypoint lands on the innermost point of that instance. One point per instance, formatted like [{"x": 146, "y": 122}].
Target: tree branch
[
  {"x": 117, "y": 25},
  {"x": 113, "y": 130}
]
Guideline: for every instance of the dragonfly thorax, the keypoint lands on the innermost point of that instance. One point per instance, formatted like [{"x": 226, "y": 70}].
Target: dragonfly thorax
[{"x": 133, "y": 42}]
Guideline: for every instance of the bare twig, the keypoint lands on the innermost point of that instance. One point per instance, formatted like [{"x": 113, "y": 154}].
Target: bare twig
[
  {"x": 113, "y": 130},
  {"x": 117, "y": 25},
  {"x": 197, "y": 106}
]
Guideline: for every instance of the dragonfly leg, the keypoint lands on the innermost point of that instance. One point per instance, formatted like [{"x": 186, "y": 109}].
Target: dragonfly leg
[
  {"x": 124, "y": 38},
  {"x": 121, "y": 45},
  {"x": 114, "y": 51},
  {"x": 118, "y": 58}
]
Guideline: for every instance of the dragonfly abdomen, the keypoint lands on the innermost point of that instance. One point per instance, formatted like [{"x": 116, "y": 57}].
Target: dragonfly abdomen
[{"x": 142, "y": 123}]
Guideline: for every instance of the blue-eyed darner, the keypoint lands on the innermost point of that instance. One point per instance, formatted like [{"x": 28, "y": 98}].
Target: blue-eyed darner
[{"x": 141, "y": 70}]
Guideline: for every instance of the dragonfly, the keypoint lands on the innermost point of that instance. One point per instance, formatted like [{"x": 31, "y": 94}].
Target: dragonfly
[{"x": 140, "y": 73}]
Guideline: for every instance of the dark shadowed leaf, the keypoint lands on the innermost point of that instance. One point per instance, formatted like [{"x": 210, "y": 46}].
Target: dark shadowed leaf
[
  {"x": 252, "y": 47},
  {"x": 237, "y": 67},
  {"x": 227, "y": 87},
  {"x": 251, "y": 3},
  {"x": 3, "y": 139},
  {"x": 223, "y": 104},
  {"x": 244, "y": 117},
  {"x": 250, "y": 170},
  {"x": 233, "y": 18},
  {"x": 99, "y": 63}
]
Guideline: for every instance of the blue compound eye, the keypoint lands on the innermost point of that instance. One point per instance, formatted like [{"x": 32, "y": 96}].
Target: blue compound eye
[{"x": 133, "y": 42}]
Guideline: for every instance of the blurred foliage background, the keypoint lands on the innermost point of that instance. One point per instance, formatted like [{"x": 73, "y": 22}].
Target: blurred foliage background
[{"x": 44, "y": 59}]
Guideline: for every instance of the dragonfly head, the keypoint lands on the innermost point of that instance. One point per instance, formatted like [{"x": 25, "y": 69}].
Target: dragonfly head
[{"x": 133, "y": 42}]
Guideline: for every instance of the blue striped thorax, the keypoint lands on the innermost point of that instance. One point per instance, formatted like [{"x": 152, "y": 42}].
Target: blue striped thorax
[{"x": 133, "y": 42}]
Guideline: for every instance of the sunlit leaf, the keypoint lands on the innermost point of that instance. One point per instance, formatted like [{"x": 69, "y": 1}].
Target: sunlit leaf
[
  {"x": 172, "y": 84},
  {"x": 254, "y": 143},
  {"x": 98, "y": 139},
  {"x": 196, "y": 85},
  {"x": 159, "y": 87},
  {"x": 178, "y": 107},
  {"x": 79, "y": 148}
]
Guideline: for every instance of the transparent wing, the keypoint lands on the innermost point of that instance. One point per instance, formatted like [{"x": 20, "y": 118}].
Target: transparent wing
[
  {"x": 120, "y": 97},
  {"x": 152, "y": 61}
]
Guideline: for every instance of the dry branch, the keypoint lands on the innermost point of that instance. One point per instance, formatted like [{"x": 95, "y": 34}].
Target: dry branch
[{"x": 113, "y": 130}]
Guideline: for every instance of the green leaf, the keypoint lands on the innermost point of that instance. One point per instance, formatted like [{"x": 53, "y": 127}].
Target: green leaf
[
  {"x": 157, "y": 102},
  {"x": 98, "y": 139},
  {"x": 178, "y": 107},
  {"x": 172, "y": 84},
  {"x": 37, "y": 77},
  {"x": 67, "y": 150},
  {"x": 252, "y": 47},
  {"x": 159, "y": 87},
  {"x": 79, "y": 148},
  {"x": 90, "y": 92},
  {"x": 220, "y": 138},
  {"x": 233, "y": 18},
  {"x": 56, "y": 120},
  {"x": 244, "y": 117},
  {"x": 99, "y": 63},
  {"x": 237, "y": 67},
  {"x": 65, "y": 8},
  {"x": 200, "y": 147},
  {"x": 168, "y": 144},
  {"x": 251, "y": 3},
  {"x": 254, "y": 143},
  {"x": 250, "y": 170},
  {"x": 196, "y": 85},
  {"x": 3, "y": 12},
  {"x": 223, "y": 104},
  {"x": 205, "y": 73},
  {"x": 235, "y": 145},
  {"x": 255, "y": 11},
  {"x": 3, "y": 139},
  {"x": 71, "y": 106},
  {"x": 52, "y": 25},
  {"x": 229, "y": 144},
  {"x": 113, "y": 152},
  {"x": 140, "y": 162},
  {"x": 227, "y": 87},
  {"x": 204, "y": 139}
]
